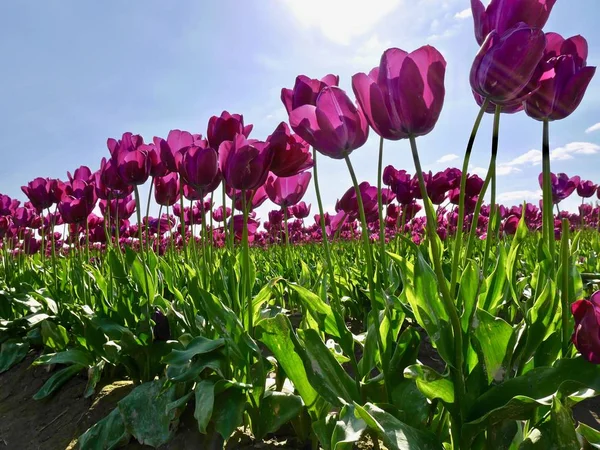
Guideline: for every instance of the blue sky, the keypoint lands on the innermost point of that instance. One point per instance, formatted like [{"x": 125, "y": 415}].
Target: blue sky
[{"x": 75, "y": 73}]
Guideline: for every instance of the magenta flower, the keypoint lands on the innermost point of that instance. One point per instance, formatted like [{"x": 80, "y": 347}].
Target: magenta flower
[
  {"x": 82, "y": 173},
  {"x": 501, "y": 15},
  {"x": 218, "y": 214},
  {"x": 198, "y": 166},
  {"x": 300, "y": 210},
  {"x": 335, "y": 126},
  {"x": 586, "y": 336},
  {"x": 506, "y": 62},
  {"x": 39, "y": 193},
  {"x": 564, "y": 78},
  {"x": 405, "y": 94},
  {"x": 349, "y": 203},
  {"x": 305, "y": 91},
  {"x": 254, "y": 198},
  {"x": 562, "y": 186},
  {"x": 586, "y": 189},
  {"x": 291, "y": 155},
  {"x": 131, "y": 158},
  {"x": 287, "y": 191},
  {"x": 108, "y": 182},
  {"x": 401, "y": 183},
  {"x": 170, "y": 148},
  {"x": 166, "y": 189},
  {"x": 225, "y": 128},
  {"x": 245, "y": 163},
  {"x": 77, "y": 202}
]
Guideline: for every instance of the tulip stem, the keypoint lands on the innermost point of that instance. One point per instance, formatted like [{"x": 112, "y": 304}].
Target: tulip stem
[
  {"x": 547, "y": 200},
  {"x": 457, "y": 371},
  {"x": 383, "y": 255},
  {"x": 564, "y": 295},
  {"x": 461, "y": 203},
  {"x": 492, "y": 213},
  {"x": 246, "y": 265},
  {"x": 182, "y": 222},
  {"x": 148, "y": 214},
  {"x": 371, "y": 275}
]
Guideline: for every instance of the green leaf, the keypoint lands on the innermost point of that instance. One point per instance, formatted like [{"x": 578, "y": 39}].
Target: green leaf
[
  {"x": 277, "y": 409},
  {"x": 180, "y": 361},
  {"x": 468, "y": 293},
  {"x": 395, "y": 434},
  {"x": 278, "y": 336},
  {"x": 94, "y": 375},
  {"x": 107, "y": 434},
  {"x": 144, "y": 280},
  {"x": 325, "y": 373},
  {"x": 589, "y": 434},
  {"x": 540, "y": 319},
  {"x": 492, "y": 338},
  {"x": 228, "y": 411},
  {"x": 56, "y": 381},
  {"x": 318, "y": 309},
  {"x": 72, "y": 356},
  {"x": 205, "y": 400},
  {"x": 12, "y": 352},
  {"x": 145, "y": 413},
  {"x": 496, "y": 283},
  {"x": 513, "y": 253},
  {"x": 432, "y": 384},
  {"x": 54, "y": 336},
  {"x": 565, "y": 436},
  {"x": 348, "y": 429}
]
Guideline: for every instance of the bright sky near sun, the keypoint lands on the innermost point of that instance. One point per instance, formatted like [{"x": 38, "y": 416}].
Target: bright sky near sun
[{"x": 77, "y": 72}]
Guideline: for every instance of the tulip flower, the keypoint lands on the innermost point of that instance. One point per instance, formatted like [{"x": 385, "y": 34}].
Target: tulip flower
[
  {"x": 349, "y": 203},
  {"x": 198, "y": 166},
  {"x": 401, "y": 183},
  {"x": 131, "y": 158},
  {"x": 501, "y": 15},
  {"x": 254, "y": 198},
  {"x": 218, "y": 214},
  {"x": 225, "y": 128},
  {"x": 506, "y": 62},
  {"x": 77, "y": 202},
  {"x": 405, "y": 94},
  {"x": 334, "y": 127},
  {"x": 245, "y": 163},
  {"x": 291, "y": 155},
  {"x": 166, "y": 189},
  {"x": 306, "y": 91},
  {"x": 82, "y": 173},
  {"x": 108, "y": 182},
  {"x": 168, "y": 149},
  {"x": 39, "y": 193},
  {"x": 300, "y": 210},
  {"x": 586, "y": 336},
  {"x": 586, "y": 189},
  {"x": 287, "y": 191},
  {"x": 562, "y": 186},
  {"x": 564, "y": 78}
]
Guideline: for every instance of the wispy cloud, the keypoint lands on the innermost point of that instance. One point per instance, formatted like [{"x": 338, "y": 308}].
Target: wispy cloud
[
  {"x": 341, "y": 20},
  {"x": 501, "y": 170},
  {"x": 370, "y": 51},
  {"x": 519, "y": 196},
  {"x": 593, "y": 128},
  {"x": 447, "y": 158},
  {"x": 464, "y": 14}
]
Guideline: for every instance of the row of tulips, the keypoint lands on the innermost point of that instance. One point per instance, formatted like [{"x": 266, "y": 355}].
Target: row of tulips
[{"x": 175, "y": 305}]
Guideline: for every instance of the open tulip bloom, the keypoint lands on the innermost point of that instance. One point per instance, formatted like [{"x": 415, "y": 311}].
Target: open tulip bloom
[{"x": 416, "y": 310}]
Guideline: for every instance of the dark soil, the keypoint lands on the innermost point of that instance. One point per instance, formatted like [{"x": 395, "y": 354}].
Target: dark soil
[{"x": 55, "y": 423}]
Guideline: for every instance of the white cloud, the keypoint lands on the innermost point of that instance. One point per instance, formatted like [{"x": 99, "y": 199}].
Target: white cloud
[
  {"x": 519, "y": 196},
  {"x": 593, "y": 128},
  {"x": 448, "y": 158},
  {"x": 501, "y": 170},
  {"x": 534, "y": 157},
  {"x": 464, "y": 14},
  {"x": 370, "y": 51},
  {"x": 341, "y": 20}
]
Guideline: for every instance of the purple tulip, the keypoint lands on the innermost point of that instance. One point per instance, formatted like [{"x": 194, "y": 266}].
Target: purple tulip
[
  {"x": 300, "y": 210},
  {"x": 131, "y": 158},
  {"x": 291, "y": 155},
  {"x": 199, "y": 165},
  {"x": 245, "y": 163},
  {"x": 401, "y": 183},
  {"x": 218, "y": 215},
  {"x": 586, "y": 189},
  {"x": 287, "y": 191},
  {"x": 77, "y": 202},
  {"x": 507, "y": 108},
  {"x": 305, "y": 91},
  {"x": 166, "y": 189},
  {"x": 564, "y": 78},
  {"x": 511, "y": 224},
  {"x": 562, "y": 186},
  {"x": 586, "y": 336},
  {"x": 39, "y": 193},
  {"x": 501, "y": 15},
  {"x": 349, "y": 203},
  {"x": 254, "y": 198},
  {"x": 506, "y": 62},
  {"x": 405, "y": 94},
  {"x": 225, "y": 128},
  {"x": 170, "y": 148},
  {"x": 334, "y": 127},
  {"x": 82, "y": 173}
]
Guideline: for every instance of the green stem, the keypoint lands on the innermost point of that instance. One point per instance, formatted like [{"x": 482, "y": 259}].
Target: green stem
[
  {"x": 457, "y": 371},
  {"x": 492, "y": 215},
  {"x": 246, "y": 265},
  {"x": 383, "y": 255},
  {"x": 564, "y": 294},
  {"x": 548, "y": 215},
  {"x": 371, "y": 276},
  {"x": 461, "y": 203}
]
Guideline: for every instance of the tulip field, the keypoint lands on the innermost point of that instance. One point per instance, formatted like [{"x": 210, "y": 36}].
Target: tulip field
[{"x": 419, "y": 313}]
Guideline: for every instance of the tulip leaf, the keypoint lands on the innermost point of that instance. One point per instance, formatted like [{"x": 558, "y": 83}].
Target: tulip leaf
[
  {"x": 11, "y": 353},
  {"x": 205, "y": 400},
  {"x": 107, "y": 434},
  {"x": 72, "y": 356},
  {"x": 468, "y": 293},
  {"x": 228, "y": 411},
  {"x": 318, "y": 309},
  {"x": 589, "y": 434},
  {"x": 348, "y": 429},
  {"x": 432, "y": 384},
  {"x": 277, "y": 409},
  {"x": 57, "y": 380}
]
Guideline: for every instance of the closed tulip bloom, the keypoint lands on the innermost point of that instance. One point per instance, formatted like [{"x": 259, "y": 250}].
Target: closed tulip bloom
[
  {"x": 38, "y": 193},
  {"x": 306, "y": 90},
  {"x": 405, "y": 94},
  {"x": 225, "y": 128},
  {"x": 564, "y": 78},
  {"x": 218, "y": 214},
  {"x": 109, "y": 183},
  {"x": 169, "y": 148},
  {"x": 562, "y": 186},
  {"x": 82, "y": 173},
  {"x": 245, "y": 163},
  {"x": 291, "y": 155},
  {"x": 132, "y": 159},
  {"x": 586, "y": 336},
  {"x": 287, "y": 191},
  {"x": 198, "y": 166},
  {"x": 507, "y": 108},
  {"x": 586, "y": 189},
  {"x": 166, "y": 189},
  {"x": 505, "y": 64},
  {"x": 301, "y": 210},
  {"x": 501, "y": 15},
  {"x": 77, "y": 202},
  {"x": 335, "y": 126},
  {"x": 157, "y": 166}
]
